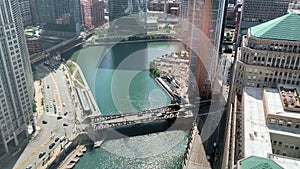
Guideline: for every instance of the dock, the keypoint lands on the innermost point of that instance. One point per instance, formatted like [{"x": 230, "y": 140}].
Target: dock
[
  {"x": 97, "y": 144},
  {"x": 73, "y": 157}
]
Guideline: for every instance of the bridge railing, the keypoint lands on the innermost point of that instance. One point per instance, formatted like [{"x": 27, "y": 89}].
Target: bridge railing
[
  {"x": 99, "y": 126},
  {"x": 100, "y": 118}
]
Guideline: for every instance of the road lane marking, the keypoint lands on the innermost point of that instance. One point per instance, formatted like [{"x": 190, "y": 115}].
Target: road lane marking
[
  {"x": 34, "y": 154},
  {"x": 58, "y": 93}
]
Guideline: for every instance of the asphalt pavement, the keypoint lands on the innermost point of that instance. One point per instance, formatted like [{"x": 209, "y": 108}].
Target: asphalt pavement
[{"x": 51, "y": 124}]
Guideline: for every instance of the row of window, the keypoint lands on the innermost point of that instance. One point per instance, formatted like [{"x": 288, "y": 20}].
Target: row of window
[
  {"x": 282, "y": 122},
  {"x": 286, "y": 145},
  {"x": 288, "y": 62}
]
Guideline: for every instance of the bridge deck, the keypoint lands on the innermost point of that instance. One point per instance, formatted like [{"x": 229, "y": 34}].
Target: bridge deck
[{"x": 145, "y": 116}]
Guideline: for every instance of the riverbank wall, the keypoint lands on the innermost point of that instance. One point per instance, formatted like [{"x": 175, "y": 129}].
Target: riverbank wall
[{"x": 165, "y": 87}]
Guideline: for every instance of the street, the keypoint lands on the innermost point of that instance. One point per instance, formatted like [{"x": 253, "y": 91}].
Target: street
[{"x": 55, "y": 118}]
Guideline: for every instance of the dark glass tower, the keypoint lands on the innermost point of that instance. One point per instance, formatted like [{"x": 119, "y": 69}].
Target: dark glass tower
[{"x": 128, "y": 16}]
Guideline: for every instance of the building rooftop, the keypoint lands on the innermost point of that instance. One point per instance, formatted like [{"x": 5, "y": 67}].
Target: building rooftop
[
  {"x": 258, "y": 163},
  {"x": 274, "y": 104},
  {"x": 285, "y": 162},
  {"x": 283, "y": 28},
  {"x": 256, "y": 133}
]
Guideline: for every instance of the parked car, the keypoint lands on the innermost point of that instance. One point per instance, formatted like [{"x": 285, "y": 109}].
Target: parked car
[
  {"x": 65, "y": 124},
  {"x": 59, "y": 117},
  {"x": 44, "y": 122}
]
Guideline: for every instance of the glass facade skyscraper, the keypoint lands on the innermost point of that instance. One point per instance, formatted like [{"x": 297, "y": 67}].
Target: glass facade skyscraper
[
  {"x": 203, "y": 25},
  {"x": 128, "y": 16}
]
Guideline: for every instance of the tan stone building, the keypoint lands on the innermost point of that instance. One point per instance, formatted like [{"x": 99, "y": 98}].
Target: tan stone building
[{"x": 270, "y": 54}]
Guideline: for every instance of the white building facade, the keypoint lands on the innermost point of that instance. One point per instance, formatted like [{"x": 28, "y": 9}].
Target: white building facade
[{"x": 16, "y": 83}]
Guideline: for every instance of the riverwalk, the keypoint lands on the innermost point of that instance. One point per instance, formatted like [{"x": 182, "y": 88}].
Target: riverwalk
[
  {"x": 84, "y": 95},
  {"x": 73, "y": 157}
]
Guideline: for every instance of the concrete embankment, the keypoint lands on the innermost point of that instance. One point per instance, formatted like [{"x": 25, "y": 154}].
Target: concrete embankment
[
  {"x": 129, "y": 42},
  {"x": 164, "y": 86}
]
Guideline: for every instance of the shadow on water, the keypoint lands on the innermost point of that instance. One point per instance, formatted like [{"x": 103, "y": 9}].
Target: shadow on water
[
  {"x": 146, "y": 128},
  {"x": 125, "y": 57}
]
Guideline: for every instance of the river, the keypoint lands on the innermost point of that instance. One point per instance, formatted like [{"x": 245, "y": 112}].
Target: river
[{"x": 120, "y": 82}]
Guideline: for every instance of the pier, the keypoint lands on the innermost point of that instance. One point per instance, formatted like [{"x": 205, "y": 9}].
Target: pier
[{"x": 73, "y": 157}]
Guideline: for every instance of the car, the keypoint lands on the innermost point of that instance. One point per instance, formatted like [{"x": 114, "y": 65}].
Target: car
[
  {"x": 42, "y": 154},
  {"x": 48, "y": 87},
  {"x": 29, "y": 167},
  {"x": 62, "y": 138},
  {"x": 59, "y": 117},
  {"x": 47, "y": 110},
  {"x": 64, "y": 104},
  {"x": 65, "y": 124},
  {"x": 44, "y": 122},
  {"x": 46, "y": 63},
  {"x": 66, "y": 113},
  {"x": 51, "y": 145},
  {"x": 56, "y": 139}
]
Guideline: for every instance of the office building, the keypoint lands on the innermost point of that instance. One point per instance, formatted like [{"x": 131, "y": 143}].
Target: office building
[
  {"x": 59, "y": 17},
  {"x": 16, "y": 91},
  {"x": 86, "y": 13},
  {"x": 203, "y": 25},
  {"x": 268, "y": 131},
  {"x": 269, "y": 54},
  {"x": 26, "y": 12},
  {"x": 255, "y": 12},
  {"x": 92, "y": 13},
  {"x": 97, "y": 13},
  {"x": 33, "y": 40},
  {"x": 128, "y": 17}
]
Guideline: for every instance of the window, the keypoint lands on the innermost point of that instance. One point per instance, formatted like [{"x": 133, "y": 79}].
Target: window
[
  {"x": 279, "y": 143},
  {"x": 274, "y": 142},
  {"x": 280, "y": 122},
  {"x": 292, "y": 146},
  {"x": 272, "y": 121},
  {"x": 289, "y": 124},
  {"x": 286, "y": 145}
]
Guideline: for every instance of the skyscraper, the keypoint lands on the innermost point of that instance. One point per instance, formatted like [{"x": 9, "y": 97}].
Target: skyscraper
[
  {"x": 59, "y": 16},
  {"x": 16, "y": 92},
  {"x": 92, "y": 13},
  {"x": 127, "y": 16},
  {"x": 26, "y": 11},
  {"x": 97, "y": 13},
  {"x": 203, "y": 22}
]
